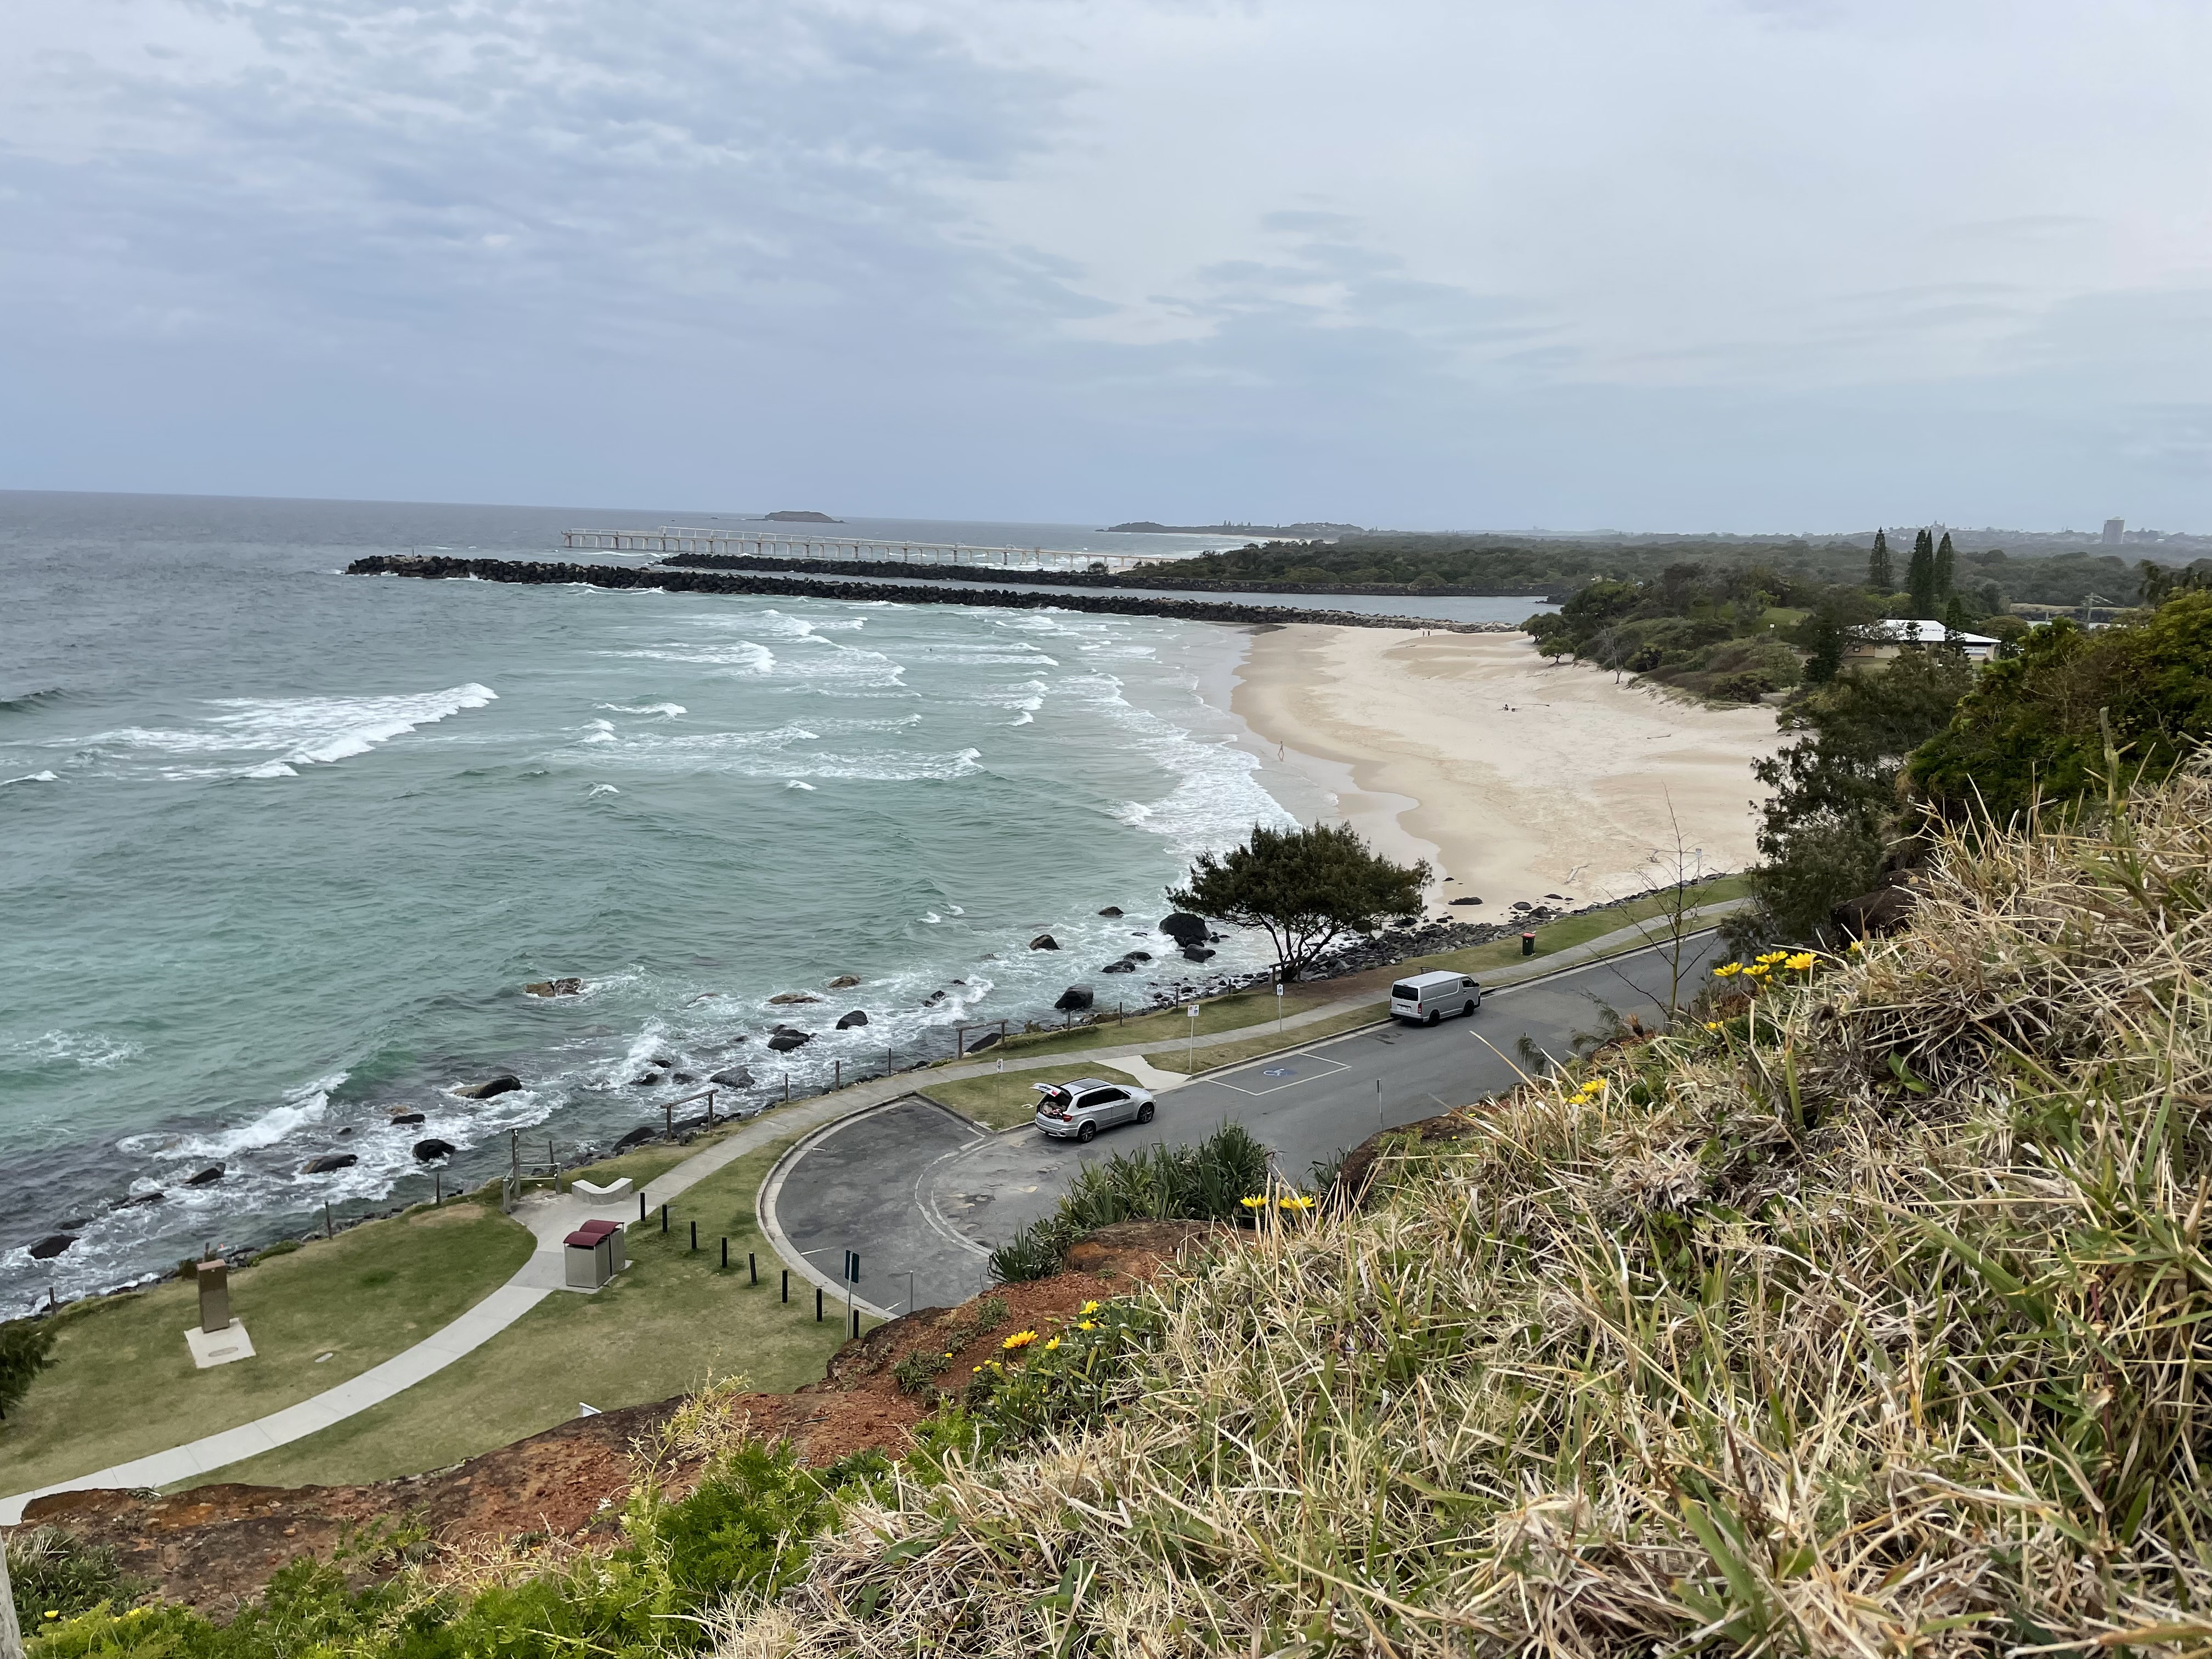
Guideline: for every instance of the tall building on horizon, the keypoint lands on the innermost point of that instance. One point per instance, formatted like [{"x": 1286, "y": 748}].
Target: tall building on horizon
[{"x": 2114, "y": 530}]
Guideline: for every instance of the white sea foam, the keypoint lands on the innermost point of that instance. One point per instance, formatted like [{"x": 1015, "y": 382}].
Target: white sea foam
[
  {"x": 797, "y": 783},
  {"x": 92, "y": 1050},
  {"x": 669, "y": 709},
  {"x": 304, "y": 731},
  {"x": 303, "y": 1108},
  {"x": 31, "y": 777},
  {"x": 601, "y": 789}
]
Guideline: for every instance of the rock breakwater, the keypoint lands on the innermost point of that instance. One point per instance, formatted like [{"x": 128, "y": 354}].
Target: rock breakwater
[{"x": 437, "y": 567}]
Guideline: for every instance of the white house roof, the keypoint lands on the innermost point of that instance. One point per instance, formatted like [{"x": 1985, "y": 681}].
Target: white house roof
[{"x": 1902, "y": 632}]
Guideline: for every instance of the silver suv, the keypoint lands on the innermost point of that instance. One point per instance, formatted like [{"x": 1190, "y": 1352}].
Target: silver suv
[{"x": 1083, "y": 1107}]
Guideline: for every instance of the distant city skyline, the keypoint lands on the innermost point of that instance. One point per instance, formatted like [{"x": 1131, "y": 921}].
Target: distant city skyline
[{"x": 1679, "y": 267}]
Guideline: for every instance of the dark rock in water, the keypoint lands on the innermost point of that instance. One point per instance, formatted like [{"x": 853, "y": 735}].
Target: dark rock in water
[
  {"x": 1469, "y": 899},
  {"x": 429, "y": 1150},
  {"x": 1124, "y": 966},
  {"x": 206, "y": 1178},
  {"x": 990, "y": 956},
  {"x": 734, "y": 1076},
  {"x": 79, "y": 1221},
  {"x": 989, "y": 1040},
  {"x": 847, "y": 1022},
  {"x": 505, "y": 1083},
  {"x": 933, "y": 999},
  {"x": 784, "y": 1042},
  {"x": 553, "y": 987},
  {"x": 347, "y": 1130},
  {"x": 1073, "y": 997},
  {"x": 405, "y": 1119},
  {"x": 662, "y": 1063},
  {"x": 1184, "y": 928},
  {"x": 52, "y": 1246},
  {"x": 844, "y": 982},
  {"x": 683, "y": 1077},
  {"x": 329, "y": 1162},
  {"x": 138, "y": 1201},
  {"x": 1111, "y": 910},
  {"x": 787, "y": 1030},
  {"x": 638, "y": 1137},
  {"x": 1196, "y": 953},
  {"x": 649, "y": 1080},
  {"x": 1044, "y": 942},
  {"x": 1136, "y": 956},
  {"x": 790, "y": 997}
]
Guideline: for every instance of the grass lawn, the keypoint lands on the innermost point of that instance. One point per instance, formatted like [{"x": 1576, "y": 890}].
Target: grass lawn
[
  {"x": 658, "y": 1330},
  {"x": 122, "y": 1385},
  {"x": 1493, "y": 962},
  {"x": 1003, "y": 1100}
]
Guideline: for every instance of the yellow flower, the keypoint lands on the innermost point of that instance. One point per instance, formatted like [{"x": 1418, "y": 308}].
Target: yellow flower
[
  {"x": 1050, "y": 1346},
  {"x": 1801, "y": 963},
  {"x": 1858, "y": 945},
  {"x": 1018, "y": 1339},
  {"x": 979, "y": 1369},
  {"x": 1727, "y": 970},
  {"x": 1253, "y": 1203},
  {"x": 1295, "y": 1201},
  {"x": 1769, "y": 957},
  {"x": 1757, "y": 970},
  {"x": 1090, "y": 1308},
  {"x": 1713, "y": 1025}
]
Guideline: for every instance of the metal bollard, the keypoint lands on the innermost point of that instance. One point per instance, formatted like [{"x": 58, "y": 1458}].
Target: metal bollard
[
  {"x": 817, "y": 1304},
  {"x": 726, "y": 1252},
  {"x": 641, "y": 1204},
  {"x": 752, "y": 1268},
  {"x": 694, "y": 1235},
  {"x": 664, "y": 1218},
  {"x": 786, "y": 1283}
]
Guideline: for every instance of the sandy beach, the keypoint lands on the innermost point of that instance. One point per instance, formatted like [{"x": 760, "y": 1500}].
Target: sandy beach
[{"x": 1514, "y": 778}]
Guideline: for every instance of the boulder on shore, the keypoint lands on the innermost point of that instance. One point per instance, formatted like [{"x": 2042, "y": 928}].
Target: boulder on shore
[
  {"x": 206, "y": 1178},
  {"x": 1114, "y": 910},
  {"x": 400, "y": 1120},
  {"x": 786, "y": 997},
  {"x": 1184, "y": 928},
  {"x": 732, "y": 1076},
  {"x": 784, "y": 1042},
  {"x": 844, "y": 982},
  {"x": 1136, "y": 956},
  {"x": 847, "y": 1022},
  {"x": 553, "y": 987},
  {"x": 1468, "y": 899},
  {"x": 1044, "y": 942},
  {"x": 638, "y": 1137},
  {"x": 52, "y": 1246},
  {"x": 505, "y": 1083},
  {"x": 1073, "y": 999},
  {"x": 427, "y": 1152},
  {"x": 1196, "y": 953},
  {"x": 328, "y": 1163},
  {"x": 1124, "y": 966},
  {"x": 989, "y": 1040},
  {"x": 649, "y": 1080}
]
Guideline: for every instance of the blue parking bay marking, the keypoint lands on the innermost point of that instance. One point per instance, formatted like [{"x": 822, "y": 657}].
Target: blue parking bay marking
[{"x": 1283, "y": 1075}]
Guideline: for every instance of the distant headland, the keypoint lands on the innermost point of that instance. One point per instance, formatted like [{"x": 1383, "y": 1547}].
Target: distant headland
[
  {"x": 1148, "y": 527},
  {"x": 789, "y": 517}
]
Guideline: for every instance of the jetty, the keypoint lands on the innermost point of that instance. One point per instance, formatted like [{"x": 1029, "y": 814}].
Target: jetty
[{"x": 740, "y": 541}]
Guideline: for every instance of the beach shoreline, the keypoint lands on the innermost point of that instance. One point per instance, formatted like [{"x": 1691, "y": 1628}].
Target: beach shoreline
[{"x": 1515, "y": 779}]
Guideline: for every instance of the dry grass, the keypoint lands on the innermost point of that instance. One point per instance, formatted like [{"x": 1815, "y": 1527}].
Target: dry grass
[{"x": 1868, "y": 1324}]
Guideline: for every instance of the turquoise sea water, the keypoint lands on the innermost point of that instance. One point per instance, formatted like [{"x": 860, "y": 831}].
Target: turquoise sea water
[{"x": 283, "y": 846}]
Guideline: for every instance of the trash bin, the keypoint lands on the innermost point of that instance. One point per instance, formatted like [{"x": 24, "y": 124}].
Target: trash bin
[
  {"x": 1527, "y": 944},
  {"x": 618, "y": 1251},
  {"x": 590, "y": 1260}
]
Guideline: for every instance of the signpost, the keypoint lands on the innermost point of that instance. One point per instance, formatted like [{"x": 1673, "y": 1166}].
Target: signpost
[{"x": 1190, "y": 1054}]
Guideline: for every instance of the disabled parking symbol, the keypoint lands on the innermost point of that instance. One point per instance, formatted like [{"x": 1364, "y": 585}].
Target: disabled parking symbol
[{"x": 1280, "y": 1071}]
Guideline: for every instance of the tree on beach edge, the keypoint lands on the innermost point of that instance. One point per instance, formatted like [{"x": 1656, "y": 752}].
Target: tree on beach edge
[{"x": 1306, "y": 888}]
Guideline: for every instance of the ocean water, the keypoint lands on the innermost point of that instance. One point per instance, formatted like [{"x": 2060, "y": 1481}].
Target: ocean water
[{"x": 281, "y": 846}]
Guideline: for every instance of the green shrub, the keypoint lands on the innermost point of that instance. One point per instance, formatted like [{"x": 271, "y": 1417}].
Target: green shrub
[
  {"x": 25, "y": 1346},
  {"x": 50, "y": 1571}
]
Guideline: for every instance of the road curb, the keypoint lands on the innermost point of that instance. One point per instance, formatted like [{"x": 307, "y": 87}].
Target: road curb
[{"x": 771, "y": 1230}]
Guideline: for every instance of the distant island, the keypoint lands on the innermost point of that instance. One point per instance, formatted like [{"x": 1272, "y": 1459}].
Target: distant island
[
  {"x": 1147, "y": 526},
  {"x": 788, "y": 517}
]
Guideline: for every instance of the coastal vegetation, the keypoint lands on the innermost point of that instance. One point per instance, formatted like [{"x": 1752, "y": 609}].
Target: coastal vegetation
[
  {"x": 1862, "y": 1316},
  {"x": 1928, "y": 734},
  {"x": 1303, "y": 888}
]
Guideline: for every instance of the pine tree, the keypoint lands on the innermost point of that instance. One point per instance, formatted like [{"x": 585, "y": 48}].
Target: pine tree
[
  {"x": 1954, "y": 615},
  {"x": 1920, "y": 575},
  {"x": 1879, "y": 576},
  {"x": 1945, "y": 568}
]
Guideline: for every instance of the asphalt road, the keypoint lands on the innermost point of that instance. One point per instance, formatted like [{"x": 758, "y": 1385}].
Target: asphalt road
[{"x": 911, "y": 1191}]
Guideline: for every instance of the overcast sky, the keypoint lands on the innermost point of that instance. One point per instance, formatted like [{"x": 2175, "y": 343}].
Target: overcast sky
[{"x": 1745, "y": 264}]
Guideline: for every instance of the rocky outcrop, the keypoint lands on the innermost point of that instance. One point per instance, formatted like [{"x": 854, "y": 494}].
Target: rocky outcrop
[
  {"x": 638, "y": 1137},
  {"x": 405, "y": 1119},
  {"x": 844, "y": 982},
  {"x": 785, "y": 1040},
  {"x": 732, "y": 1076},
  {"x": 1124, "y": 966},
  {"x": 1197, "y": 953},
  {"x": 1467, "y": 899},
  {"x": 1113, "y": 911},
  {"x": 206, "y": 1178},
  {"x": 429, "y": 1151},
  {"x": 52, "y": 1246},
  {"x": 1074, "y": 999},
  {"x": 1044, "y": 942},
  {"x": 1184, "y": 928},
  {"x": 847, "y": 1022},
  {"x": 787, "y": 998},
  {"x": 989, "y": 1040},
  {"x": 329, "y": 1163},
  {"x": 505, "y": 1083},
  {"x": 553, "y": 987}
]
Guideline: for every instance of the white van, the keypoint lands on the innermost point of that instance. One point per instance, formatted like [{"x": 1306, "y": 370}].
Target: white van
[{"x": 1424, "y": 999}]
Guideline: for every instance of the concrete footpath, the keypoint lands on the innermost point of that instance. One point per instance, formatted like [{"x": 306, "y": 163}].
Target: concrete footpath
[{"x": 551, "y": 1218}]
